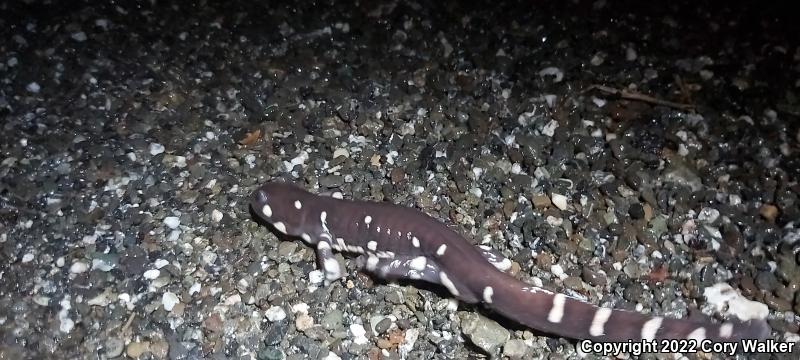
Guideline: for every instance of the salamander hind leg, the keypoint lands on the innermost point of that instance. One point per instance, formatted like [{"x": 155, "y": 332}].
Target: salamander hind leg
[
  {"x": 495, "y": 258},
  {"x": 414, "y": 268}
]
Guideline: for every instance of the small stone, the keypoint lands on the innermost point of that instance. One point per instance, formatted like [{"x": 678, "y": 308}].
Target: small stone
[
  {"x": 169, "y": 300},
  {"x": 79, "y": 267},
  {"x": 397, "y": 175},
  {"x": 159, "y": 349},
  {"x": 636, "y": 211},
  {"x": 216, "y": 215},
  {"x": 484, "y": 333},
  {"x": 113, "y": 347},
  {"x": 560, "y": 201},
  {"x": 33, "y": 87},
  {"x": 151, "y": 274},
  {"x": 79, "y": 36},
  {"x": 287, "y": 248},
  {"x": 358, "y": 332},
  {"x": 172, "y": 222},
  {"x": 275, "y": 313},
  {"x": 515, "y": 348},
  {"x": 341, "y": 152},
  {"x": 156, "y": 148},
  {"x": 136, "y": 349},
  {"x": 769, "y": 212},
  {"x": 304, "y": 322},
  {"x": 541, "y": 201},
  {"x": 27, "y": 258}
]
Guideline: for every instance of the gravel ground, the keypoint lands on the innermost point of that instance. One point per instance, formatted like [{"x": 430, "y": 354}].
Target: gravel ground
[{"x": 133, "y": 136}]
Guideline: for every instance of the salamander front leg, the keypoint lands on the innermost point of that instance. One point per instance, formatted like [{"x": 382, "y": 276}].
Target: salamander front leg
[{"x": 328, "y": 262}]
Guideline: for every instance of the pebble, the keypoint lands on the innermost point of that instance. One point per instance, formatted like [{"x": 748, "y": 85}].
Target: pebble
[
  {"x": 136, "y": 349},
  {"x": 358, "y": 332},
  {"x": 113, "y": 347},
  {"x": 78, "y": 267},
  {"x": 515, "y": 348},
  {"x": 726, "y": 300},
  {"x": 484, "y": 333},
  {"x": 172, "y": 222},
  {"x": 304, "y": 322},
  {"x": 169, "y": 300},
  {"x": 156, "y": 148},
  {"x": 151, "y": 274},
  {"x": 560, "y": 201},
  {"x": 216, "y": 215},
  {"x": 275, "y": 313}
]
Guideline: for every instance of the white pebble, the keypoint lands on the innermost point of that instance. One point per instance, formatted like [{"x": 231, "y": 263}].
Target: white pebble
[
  {"x": 728, "y": 301},
  {"x": 172, "y": 222},
  {"x": 79, "y": 36},
  {"x": 341, "y": 152},
  {"x": 275, "y": 313},
  {"x": 316, "y": 276},
  {"x": 151, "y": 274},
  {"x": 304, "y": 322},
  {"x": 78, "y": 267},
  {"x": 33, "y": 87},
  {"x": 358, "y": 332},
  {"x": 216, "y": 215},
  {"x": 195, "y": 288},
  {"x": 300, "y": 308},
  {"x": 560, "y": 201},
  {"x": 156, "y": 148},
  {"x": 160, "y": 263},
  {"x": 558, "y": 271},
  {"x": 169, "y": 300},
  {"x": 27, "y": 258}
]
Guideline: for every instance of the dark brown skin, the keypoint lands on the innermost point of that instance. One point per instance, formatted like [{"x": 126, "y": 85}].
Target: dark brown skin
[{"x": 415, "y": 246}]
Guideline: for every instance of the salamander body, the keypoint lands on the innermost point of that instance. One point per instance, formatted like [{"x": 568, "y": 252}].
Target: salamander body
[{"x": 396, "y": 242}]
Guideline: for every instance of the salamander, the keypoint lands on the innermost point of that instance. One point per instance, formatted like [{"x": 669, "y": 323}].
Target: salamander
[{"x": 396, "y": 242}]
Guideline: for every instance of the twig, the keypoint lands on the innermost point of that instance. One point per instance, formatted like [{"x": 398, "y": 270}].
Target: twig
[{"x": 639, "y": 97}]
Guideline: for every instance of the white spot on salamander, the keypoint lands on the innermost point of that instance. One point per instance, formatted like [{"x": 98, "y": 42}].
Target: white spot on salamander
[
  {"x": 447, "y": 283},
  {"x": 598, "y": 326},
  {"x": 385, "y": 254},
  {"x": 372, "y": 245},
  {"x": 442, "y": 248},
  {"x": 322, "y": 245},
  {"x": 372, "y": 263},
  {"x": 267, "y": 211},
  {"x": 332, "y": 270},
  {"x": 503, "y": 265},
  {"x": 557, "y": 311},
  {"x": 306, "y": 237},
  {"x": 367, "y": 219},
  {"x": 280, "y": 227},
  {"x": 698, "y": 334},
  {"x": 650, "y": 328},
  {"x": 487, "y": 294},
  {"x": 726, "y": 330},
  {"x": 415, "y": 241},
  {"x": 298, "y": 205},
  {"x": 418, "y": 263}
]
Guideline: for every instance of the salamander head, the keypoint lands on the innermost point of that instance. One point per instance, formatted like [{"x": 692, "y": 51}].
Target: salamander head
[{"x": 281, "y": 205}]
